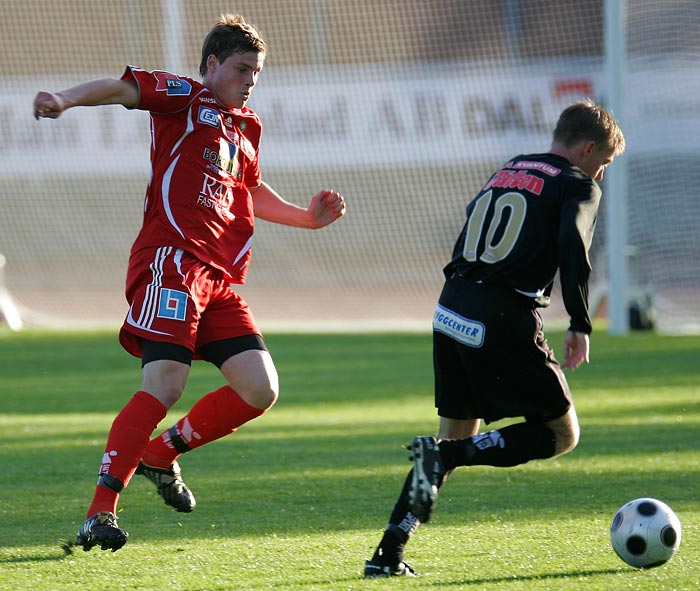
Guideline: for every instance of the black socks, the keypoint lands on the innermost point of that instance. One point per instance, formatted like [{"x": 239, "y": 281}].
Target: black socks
[
  {"x": 510, "y": 446},
  {"x": 402, "y": 525}
]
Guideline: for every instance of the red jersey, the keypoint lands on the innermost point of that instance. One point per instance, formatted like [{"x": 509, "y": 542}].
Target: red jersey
[{"x": 204, "y": 160}]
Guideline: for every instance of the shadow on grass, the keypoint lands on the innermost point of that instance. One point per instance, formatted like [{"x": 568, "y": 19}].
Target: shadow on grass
[
  {"x": 89, "y": 372},
  {"x": 303, "y": 477},
  {"x": 249, "y": 488},
  {"x": 542, "y": 577},
  {"x": 60, "y": 555}
]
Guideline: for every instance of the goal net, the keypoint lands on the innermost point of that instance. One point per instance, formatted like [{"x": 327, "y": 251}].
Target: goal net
[{"x": 404, "y": 106}]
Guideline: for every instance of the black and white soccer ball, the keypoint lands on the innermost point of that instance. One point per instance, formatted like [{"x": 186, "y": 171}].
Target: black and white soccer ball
[{"x": 645, "y": 533}]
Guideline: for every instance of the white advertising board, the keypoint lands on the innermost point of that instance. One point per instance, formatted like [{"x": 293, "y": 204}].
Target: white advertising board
[{"x": 431, "y": 120}]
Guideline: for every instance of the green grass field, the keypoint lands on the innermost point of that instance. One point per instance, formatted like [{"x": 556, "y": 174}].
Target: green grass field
[{"x": 297, "y": 500}]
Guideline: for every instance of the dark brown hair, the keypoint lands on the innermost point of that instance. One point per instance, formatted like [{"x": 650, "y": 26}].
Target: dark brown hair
[{"x": 230, "y": 35}]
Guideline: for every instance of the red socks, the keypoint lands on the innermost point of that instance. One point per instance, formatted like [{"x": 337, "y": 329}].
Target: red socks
[
  {"x": 127, "y": 440},
  {"x": 215, "y": 415}
]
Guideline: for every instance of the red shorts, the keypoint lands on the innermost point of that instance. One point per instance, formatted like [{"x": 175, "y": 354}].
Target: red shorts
[{"x": 175, "y": 298}]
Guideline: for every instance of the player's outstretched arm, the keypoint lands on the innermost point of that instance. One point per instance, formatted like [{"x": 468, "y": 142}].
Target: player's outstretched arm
[
  {"x": 325, "y": 207},
  {"x": 576, "y": 349},
  {"x": 105, "y": 91}
]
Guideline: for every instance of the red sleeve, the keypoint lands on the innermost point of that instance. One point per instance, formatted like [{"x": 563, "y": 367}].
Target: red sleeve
[{"x": 162, "y": 92}]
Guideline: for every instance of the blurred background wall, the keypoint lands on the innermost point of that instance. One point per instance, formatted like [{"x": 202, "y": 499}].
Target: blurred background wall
[{"x": 404, "y": 106}]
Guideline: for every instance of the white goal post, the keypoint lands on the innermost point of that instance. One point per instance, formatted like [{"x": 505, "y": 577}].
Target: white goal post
[
  {"x": 8, "y": 310},
  {"x": 616, "y": 182}
]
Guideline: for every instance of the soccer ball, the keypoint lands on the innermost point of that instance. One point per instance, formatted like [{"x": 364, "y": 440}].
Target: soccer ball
[{"x": 645, "y": 533}]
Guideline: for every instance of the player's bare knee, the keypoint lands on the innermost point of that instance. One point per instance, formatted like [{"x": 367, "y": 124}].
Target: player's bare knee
[
  {"x": 268, "y": 397},
  {"x": 566, "y": 439},
  {"x": 566, "y": 431},
  {"x": 260, "y": 397},
  {"x": 166, "y": 394}
]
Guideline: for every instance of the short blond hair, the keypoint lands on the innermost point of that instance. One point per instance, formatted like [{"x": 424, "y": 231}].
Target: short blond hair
[{"x": 584, "y": 120}]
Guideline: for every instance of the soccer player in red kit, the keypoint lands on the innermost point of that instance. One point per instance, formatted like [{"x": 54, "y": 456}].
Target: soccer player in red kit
[{"x": 204, "y": 191}]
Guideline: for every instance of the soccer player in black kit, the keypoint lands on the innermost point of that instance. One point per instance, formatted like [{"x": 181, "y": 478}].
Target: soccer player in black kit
[{"x": 534, "y": 216}]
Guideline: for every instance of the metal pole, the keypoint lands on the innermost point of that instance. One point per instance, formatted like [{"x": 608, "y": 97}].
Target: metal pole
[
  {"x": 8, "y": 310},
  {"x": 616, "y": 177},
  {"x": 513, "y": 24},
  {"x": 174, "y": 36},
  {"x": 318, "y": 33}
]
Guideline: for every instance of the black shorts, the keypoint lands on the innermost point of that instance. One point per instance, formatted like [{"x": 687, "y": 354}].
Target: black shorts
[
  {"x": 491, "y": 358},
  {"x": 216, "y": 352}
]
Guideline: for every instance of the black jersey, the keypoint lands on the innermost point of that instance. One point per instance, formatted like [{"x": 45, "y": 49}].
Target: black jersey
[{"x": 535, "y": 215}]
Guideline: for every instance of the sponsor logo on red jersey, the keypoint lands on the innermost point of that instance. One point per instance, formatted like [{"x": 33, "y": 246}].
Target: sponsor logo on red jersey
[
  {"x": 225, "y": 159},
  {"x": 172, "y": 85},
  {"x": 172, "y": 304},
  {"x": 208, "y": 116}
]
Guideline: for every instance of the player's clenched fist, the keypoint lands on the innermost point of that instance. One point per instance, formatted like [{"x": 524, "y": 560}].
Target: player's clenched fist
[
  {"x": 48, "y": 105},
  {"x": 326, "y": 207}
]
